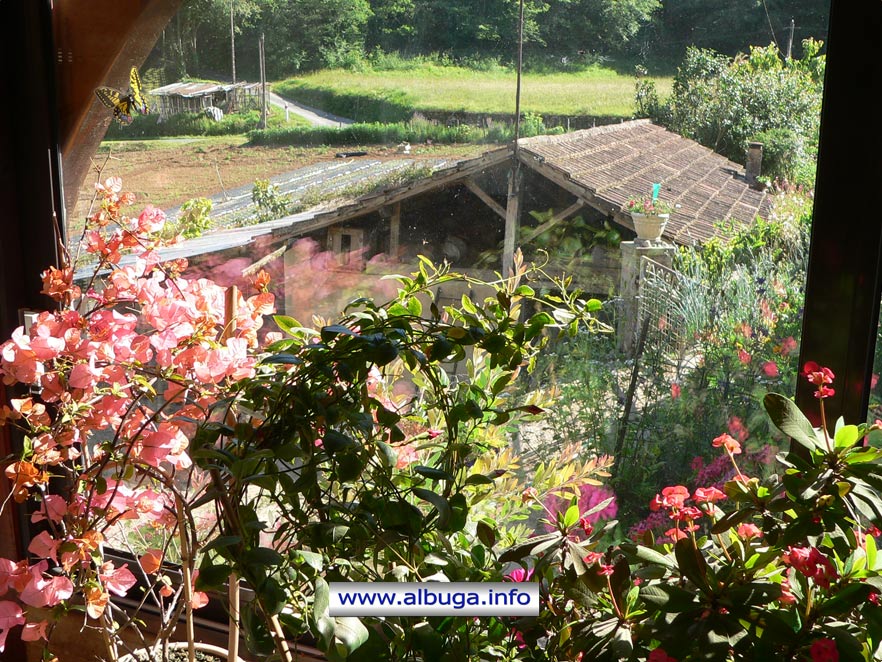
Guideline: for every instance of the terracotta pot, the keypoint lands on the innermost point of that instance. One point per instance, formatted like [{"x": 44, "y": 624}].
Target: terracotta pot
[{"x": 649, "y": 227}]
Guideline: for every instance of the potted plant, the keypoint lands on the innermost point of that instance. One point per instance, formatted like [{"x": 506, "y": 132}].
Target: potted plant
[
  {"x": 650, "y": 215},
  {"x": 352, "y": 456},
  {"x": 112, "y": 383}
]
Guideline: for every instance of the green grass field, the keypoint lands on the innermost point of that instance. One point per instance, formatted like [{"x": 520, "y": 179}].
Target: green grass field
[{"x": 597, "y": 91}]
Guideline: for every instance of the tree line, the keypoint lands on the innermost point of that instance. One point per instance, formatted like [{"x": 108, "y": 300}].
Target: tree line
[{"x": 304, "y": 35}]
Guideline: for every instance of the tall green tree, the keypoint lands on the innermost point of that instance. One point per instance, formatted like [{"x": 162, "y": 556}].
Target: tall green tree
[
  {"x": 469, "y": 27},
  {"x": 731, "y": 26},
  {"x": 604, "y": 26}
]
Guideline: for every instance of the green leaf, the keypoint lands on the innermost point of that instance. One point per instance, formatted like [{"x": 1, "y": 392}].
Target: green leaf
[
  {"x": 846, "y": 436},
  {"x": 286, "y": 324},
  {"x": 388, "y": 455},
  {"x": 692, "y": 563},
  {"x": 846, "y": 599},
  {"x": 222, "y": 541},
  {"x": 459, "y": 513},
  {"x": 652, "y": 556},
  {"x": 414, "y": 307},
  {"x": 349, "y": 634},
  {"x": 478, "y": 479},
  {"x": 600, "y": 506},
  {"x": 335, "y": 441},
  {"x": 433, "y": 473},
  {"x": 440, "y": 503},
  {"x": 524, "y": 549},
  {"x": 322, "y": 600},
  {"x": 334, "y": 330},
  {"x": 668, "y": 597},
  {"x": 283, "y": 358},
  {"x": 257, "y": 635},
  {"x": 263, "y": 556},
  {"x": 486, "y": 534},
  {"x": 313, "y": 560},
  {"x": 571, "y": 517},
  {"x": 212, "y": 575},
  {"x": 790, "y": 421},
  {"x": 871, "y": 552},
  {"x": 730, "y": 520},
  {"x": 272, "y": 596}
]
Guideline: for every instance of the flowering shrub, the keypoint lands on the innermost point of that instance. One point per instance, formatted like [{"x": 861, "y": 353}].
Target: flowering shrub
[
  {"x": 116, "y": 381},
  {"x": 780, "y": 568}
]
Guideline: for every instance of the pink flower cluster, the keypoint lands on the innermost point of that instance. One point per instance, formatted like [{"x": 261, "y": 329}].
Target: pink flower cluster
[{"x": 128, "y": 371}]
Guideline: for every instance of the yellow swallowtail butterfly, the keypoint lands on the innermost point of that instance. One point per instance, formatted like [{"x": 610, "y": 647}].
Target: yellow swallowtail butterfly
[{"x": 124, "y": 105}]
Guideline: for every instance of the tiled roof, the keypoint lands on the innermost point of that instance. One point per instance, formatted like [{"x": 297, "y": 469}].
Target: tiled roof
[{"x": 611, "y": 164}]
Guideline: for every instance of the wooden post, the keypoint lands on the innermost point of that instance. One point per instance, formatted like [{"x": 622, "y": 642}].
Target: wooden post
[
  {"x": 231, "y": 311},
  {"x": 233, "y": 40},
  {"x": 262, "y": 54},
  {"x": 512, "y": 218},
  {"x": 394, "y": 231}
]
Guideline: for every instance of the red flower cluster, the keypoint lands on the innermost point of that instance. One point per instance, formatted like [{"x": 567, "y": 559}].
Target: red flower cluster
[
  {"x": 659, "y": 655},
  {"x": 820, "y": 377},
  {"x": 732, "y": 445},
  {"x": 812, "y": 563},
  {"x": 824, "y": 650}
]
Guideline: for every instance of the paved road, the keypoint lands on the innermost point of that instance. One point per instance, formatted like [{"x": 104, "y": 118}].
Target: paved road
[{"x": 315, "y": 116}]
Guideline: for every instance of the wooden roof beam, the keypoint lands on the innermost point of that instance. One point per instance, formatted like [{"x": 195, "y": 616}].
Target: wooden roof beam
[
  {"x": 554, "y": 220},
  {"x": 472, "y": 186}
]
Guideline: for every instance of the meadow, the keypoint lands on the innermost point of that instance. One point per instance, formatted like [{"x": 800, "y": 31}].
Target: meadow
[{"x": 596, "y": 91}]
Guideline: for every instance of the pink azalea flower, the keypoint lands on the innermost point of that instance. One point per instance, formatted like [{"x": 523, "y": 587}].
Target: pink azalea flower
[
  {"x": 770, "y": 368},
  {"x": 743, "y": 356},
  {"x": 675, "y": 390}
]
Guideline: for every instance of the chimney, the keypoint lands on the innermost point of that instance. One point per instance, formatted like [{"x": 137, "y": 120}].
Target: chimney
[{"x": 754, "y": 162}]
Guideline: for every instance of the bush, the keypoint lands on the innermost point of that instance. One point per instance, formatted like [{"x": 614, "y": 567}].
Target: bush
[
  {"x": 195, "y": 217},
  {"x": 379, "y": 134},
  {"x": 271, "y": 204},
  {"x": 786, "y": 156},
  {"x": 190, "y": 124},
  {"x": 724, "y": 103}
]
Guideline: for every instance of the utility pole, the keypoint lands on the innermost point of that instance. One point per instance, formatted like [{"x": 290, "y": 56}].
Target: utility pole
[
  {"x": 233, "y": 41},
  {"x": 262, "y": 82},
  {"x": 790, "y": 40}
]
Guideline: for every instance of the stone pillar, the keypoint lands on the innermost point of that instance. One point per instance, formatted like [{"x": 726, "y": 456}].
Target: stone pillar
[{"x": 628, "y": 324}]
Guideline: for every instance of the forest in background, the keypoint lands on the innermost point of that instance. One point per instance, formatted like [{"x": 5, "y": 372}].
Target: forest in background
[{"x": 305, "y": 35}]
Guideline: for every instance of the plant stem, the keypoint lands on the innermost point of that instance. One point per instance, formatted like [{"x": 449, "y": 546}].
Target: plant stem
[
  {"x": 824, "y": 425},
  {"x": 186, "y": 560}
]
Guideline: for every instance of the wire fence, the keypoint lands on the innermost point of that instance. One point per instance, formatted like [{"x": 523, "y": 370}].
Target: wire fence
[{"x": 662, "y": 299}]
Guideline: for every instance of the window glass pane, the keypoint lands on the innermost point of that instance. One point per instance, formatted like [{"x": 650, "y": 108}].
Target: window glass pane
[{"x": 671, "y": 182}]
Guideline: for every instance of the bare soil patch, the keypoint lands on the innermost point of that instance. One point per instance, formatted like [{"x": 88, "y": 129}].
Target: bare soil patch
[{"x": 166, "y": 173}]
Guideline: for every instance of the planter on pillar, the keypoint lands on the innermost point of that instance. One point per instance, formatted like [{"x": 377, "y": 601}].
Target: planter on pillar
[{"x": 649, "y": 227}]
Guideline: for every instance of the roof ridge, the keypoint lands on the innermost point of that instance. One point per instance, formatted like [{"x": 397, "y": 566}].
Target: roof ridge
[{"x": 593, "y": 131}]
